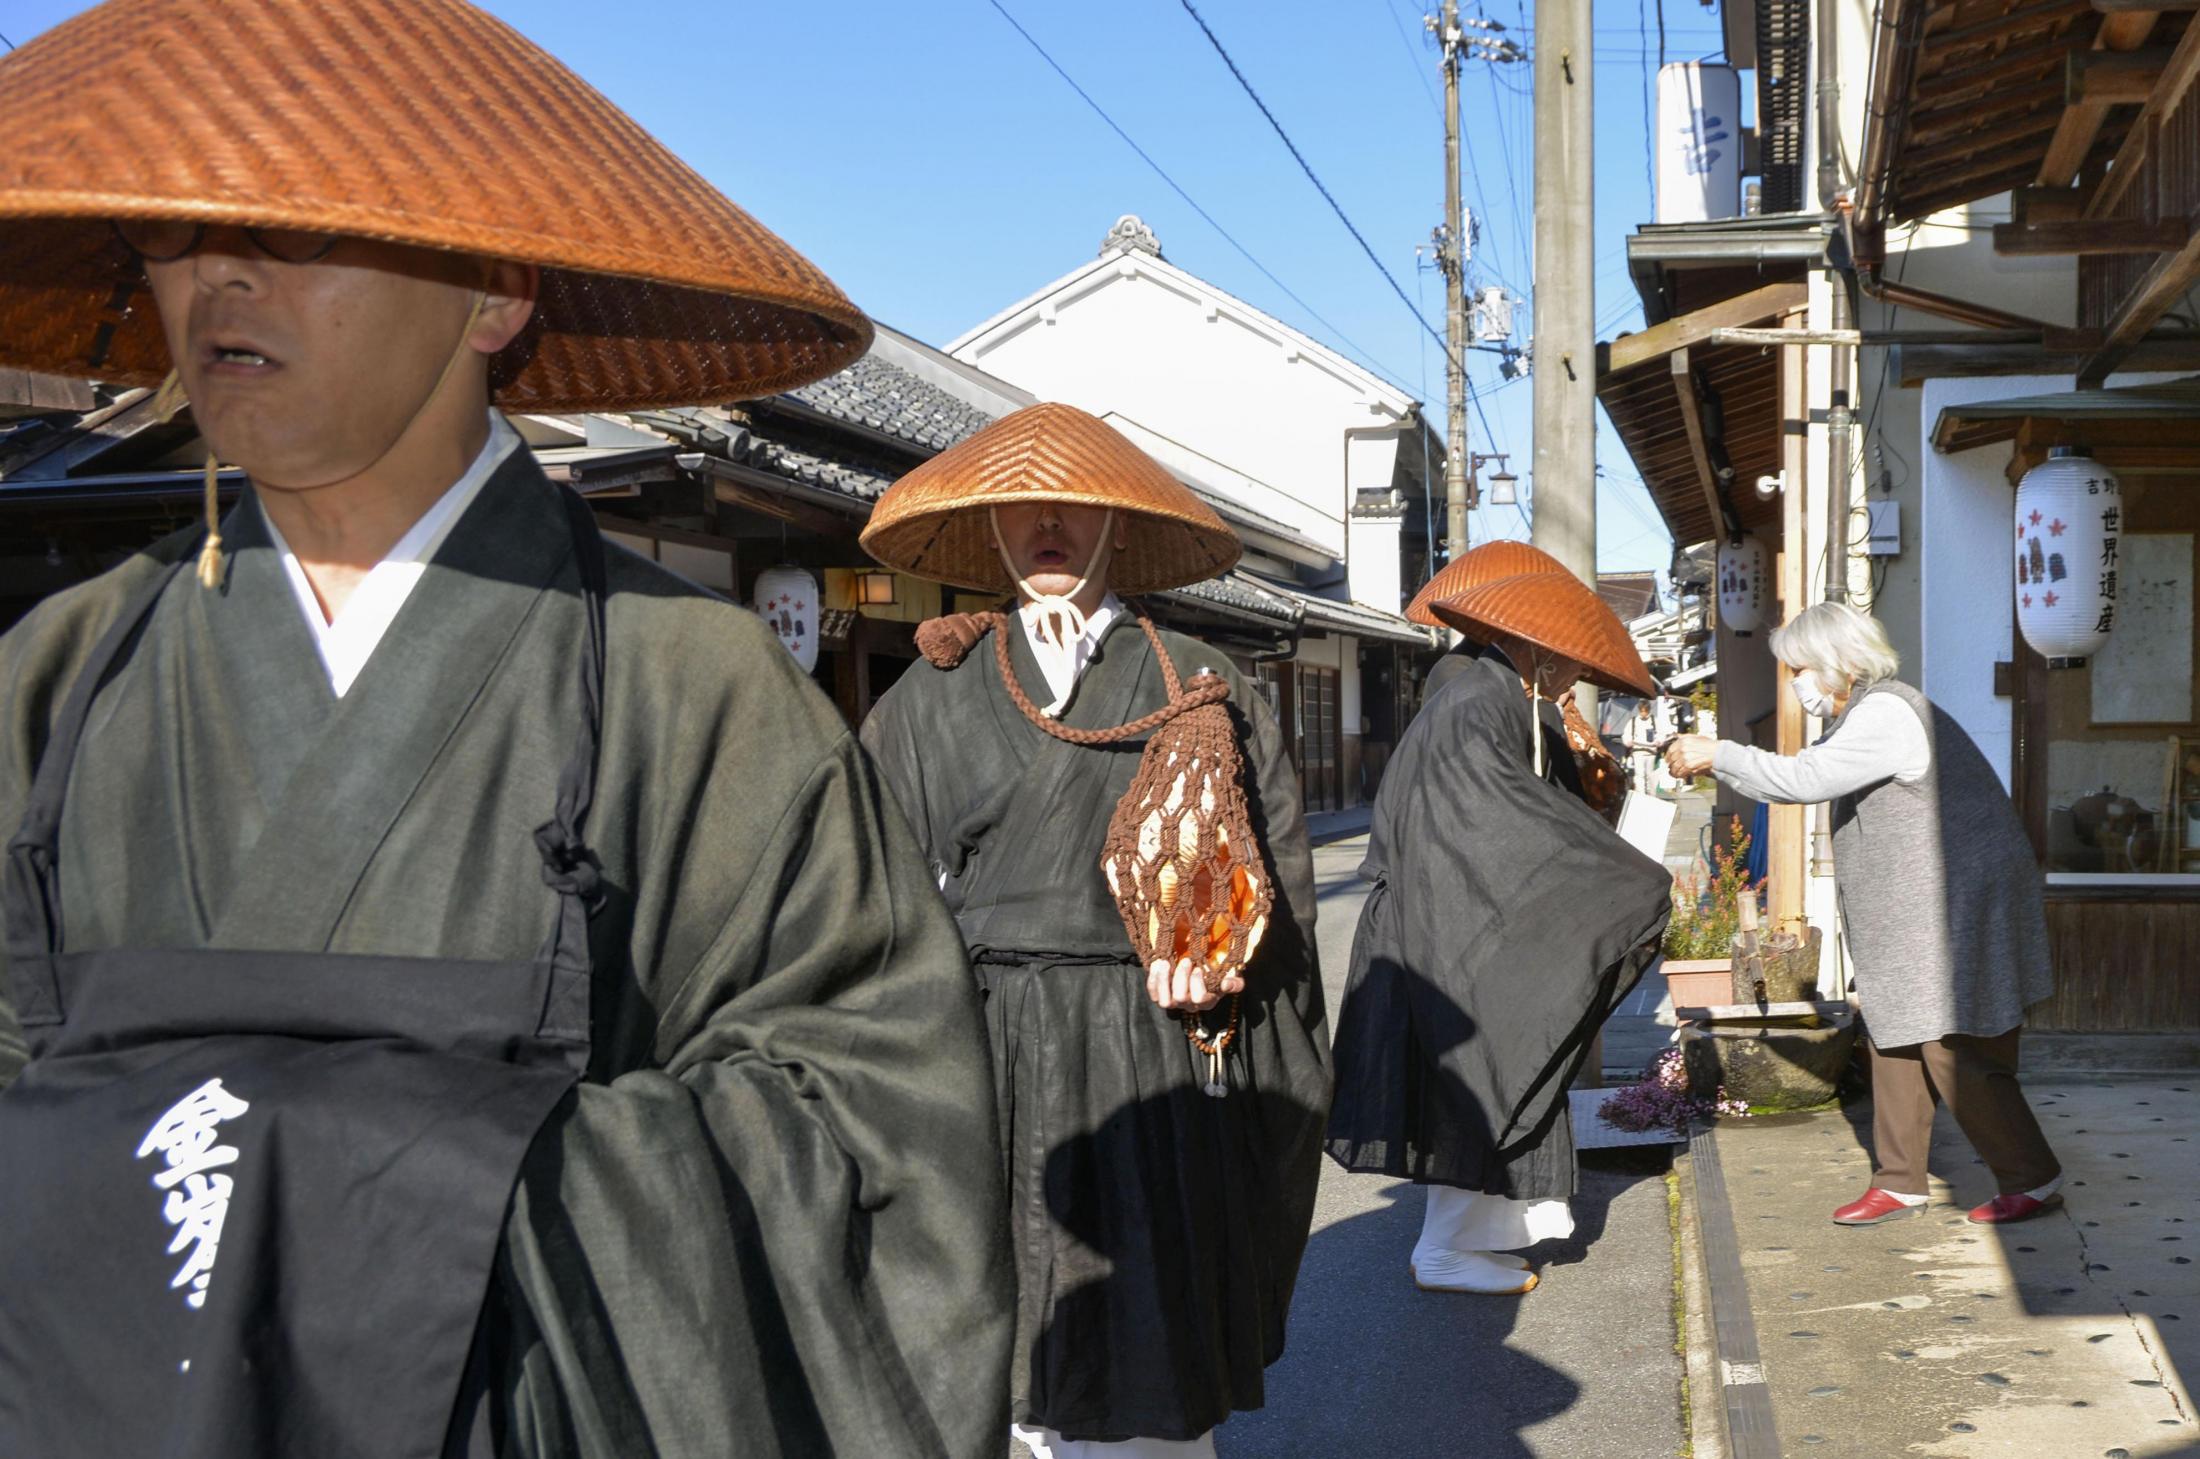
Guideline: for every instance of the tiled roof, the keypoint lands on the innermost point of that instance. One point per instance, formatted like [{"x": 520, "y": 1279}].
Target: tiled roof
[
  {"x": 1234, "y": 590},
  {"x": 1334, "y": 616},
  {"x": 1628, "y": 594},
  {"x": 811, "y": 469},
  {"x": 887, "y": 398}
]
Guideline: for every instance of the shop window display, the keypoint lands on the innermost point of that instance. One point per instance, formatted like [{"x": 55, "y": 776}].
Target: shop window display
[{"x": 2123, "y": 729}]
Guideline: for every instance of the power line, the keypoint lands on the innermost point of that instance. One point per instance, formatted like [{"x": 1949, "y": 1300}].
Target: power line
[
  {"x": 1412, "y": 56},
  {"x": 1474, "y": 174},
  {"x": 1189, "y": 201},
  {"x": 1306, "y": 168},
  {"x": 1649, "y": 112},
  {"x": 1504, "y": 144},
  {"x": 4, "y": 41}
]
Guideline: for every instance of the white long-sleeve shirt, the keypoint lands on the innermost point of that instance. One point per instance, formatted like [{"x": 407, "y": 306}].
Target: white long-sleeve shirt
[{"x": 1882, "y": 739}]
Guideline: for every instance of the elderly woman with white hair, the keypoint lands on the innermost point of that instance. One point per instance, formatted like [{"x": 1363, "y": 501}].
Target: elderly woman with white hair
[{"x": 1940, "y": 903}]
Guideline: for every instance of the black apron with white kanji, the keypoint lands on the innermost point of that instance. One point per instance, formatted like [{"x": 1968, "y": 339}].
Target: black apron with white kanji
[{"x": 249, "y": 1200}]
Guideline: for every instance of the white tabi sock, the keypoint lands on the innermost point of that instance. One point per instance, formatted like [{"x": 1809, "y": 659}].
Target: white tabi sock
[
  {"x": 1047, "y": 1444},
  {"x": 1437, "y": 1270}
]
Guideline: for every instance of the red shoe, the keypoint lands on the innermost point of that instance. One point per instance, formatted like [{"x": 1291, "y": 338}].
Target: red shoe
[
  {"x": 2001, "y": 1210},
  {"x": 1875, "y": 1206}
]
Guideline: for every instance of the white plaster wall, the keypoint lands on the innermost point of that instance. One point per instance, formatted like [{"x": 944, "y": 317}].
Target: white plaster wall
[
  {"x": 1377, "y": 577},
  {"x": 1967, "y": 618},
  {"x": 1964, "y": 541},
  {"x": 1952, "y": 253},
  {"x": 1195, "y": 370},
  {"x": 1348, "y": 685},
  {"x": 1320, "y": 652}
]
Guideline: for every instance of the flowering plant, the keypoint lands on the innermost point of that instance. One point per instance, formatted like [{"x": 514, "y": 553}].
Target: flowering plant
[
  {"x": 1662, "y": 1100},
  {"x": 1704, "y": 913}
]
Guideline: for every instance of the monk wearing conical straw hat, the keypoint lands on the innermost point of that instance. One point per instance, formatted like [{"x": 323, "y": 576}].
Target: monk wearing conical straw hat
[
  {"x": 1113, "y": 817},
  {"x": 465, "y": 992}
]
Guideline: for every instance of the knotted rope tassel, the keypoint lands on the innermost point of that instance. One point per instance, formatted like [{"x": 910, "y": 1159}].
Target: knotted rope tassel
[{"x": 167, "y": 401}]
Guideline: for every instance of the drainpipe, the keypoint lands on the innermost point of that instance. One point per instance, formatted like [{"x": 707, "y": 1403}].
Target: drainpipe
[
  {"x": 1840, "y": 422},
  {"x": 1889, "y": 77},
  {"x": 1829, "y": 102},
  {"x": 1838, "y": 418}
]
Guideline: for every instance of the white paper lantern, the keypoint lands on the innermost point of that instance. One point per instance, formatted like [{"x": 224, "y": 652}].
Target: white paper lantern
[
  {"x": 2069, "y": 518},
  {"x": 786, "y": 599},
  {"x": 1744, "y": 586}
]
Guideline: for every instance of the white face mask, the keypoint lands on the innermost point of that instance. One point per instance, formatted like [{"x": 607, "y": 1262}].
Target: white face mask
[{"x": 1812, "y": 695}]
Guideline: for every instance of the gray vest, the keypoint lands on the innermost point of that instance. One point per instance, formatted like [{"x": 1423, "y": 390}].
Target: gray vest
[{"x": 1940, "y": 894}]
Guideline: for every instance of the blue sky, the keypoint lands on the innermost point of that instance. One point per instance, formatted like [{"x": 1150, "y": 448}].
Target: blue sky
[{"x": 926, "y": 157}]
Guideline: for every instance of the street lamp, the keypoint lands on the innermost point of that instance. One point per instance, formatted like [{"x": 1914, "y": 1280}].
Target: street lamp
[{"x": 1504, "y": 489}]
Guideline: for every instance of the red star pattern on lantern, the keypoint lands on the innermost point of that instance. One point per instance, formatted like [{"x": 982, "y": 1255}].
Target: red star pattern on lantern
[
  {"x": 2035, "y": 518},
  {"x": 2027, "y": 600},
  {"x": 2049, "y": 599},
  {"x": 2057, "y": 527}
]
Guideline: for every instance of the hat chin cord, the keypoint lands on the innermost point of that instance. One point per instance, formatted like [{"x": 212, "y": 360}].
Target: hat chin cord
[
  {"x": 170, "y": 398},
  {"x": 1537, "y": 659},
  {"x": 1057, "y": 624}
]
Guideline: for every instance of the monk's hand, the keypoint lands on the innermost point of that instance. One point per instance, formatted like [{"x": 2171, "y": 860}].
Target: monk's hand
[
  {"x": 1689, "y": 755},
  {"x": 1182, "y": 986}
]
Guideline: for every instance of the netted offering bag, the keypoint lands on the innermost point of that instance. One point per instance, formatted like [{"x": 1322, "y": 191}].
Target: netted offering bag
[
  {"x": 1180, "y": 856},
  {"x": 1188, "y": 875}
]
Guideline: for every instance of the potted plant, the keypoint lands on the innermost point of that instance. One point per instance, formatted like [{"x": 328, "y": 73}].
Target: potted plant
[{"x": 1699, "y": 941}]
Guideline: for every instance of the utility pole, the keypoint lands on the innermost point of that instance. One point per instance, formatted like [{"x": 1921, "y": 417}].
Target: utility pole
[
  {"x": 1565, "y": 371},
  {"x": 1565, "y": 305},
  {"x": 1451, "y": 258}
]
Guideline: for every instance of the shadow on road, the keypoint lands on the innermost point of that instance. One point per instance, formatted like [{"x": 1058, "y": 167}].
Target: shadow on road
[{"x": 1376, "y": 1367}]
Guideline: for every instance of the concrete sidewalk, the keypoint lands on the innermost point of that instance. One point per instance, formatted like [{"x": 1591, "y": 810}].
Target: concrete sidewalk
[
  {"x": 2069, "y": 1336},
  {"x": 1323, "y": 827}
]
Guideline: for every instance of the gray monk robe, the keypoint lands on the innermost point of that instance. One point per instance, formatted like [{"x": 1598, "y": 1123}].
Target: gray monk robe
[
  {"x": 769, "y": 1221},
  {"x": 1157, "y": 1231}
]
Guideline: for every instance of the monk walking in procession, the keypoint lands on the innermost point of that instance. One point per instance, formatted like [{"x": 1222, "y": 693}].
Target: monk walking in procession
[
  {"x": 1574, "y": 756},
  {"x": 466, "y": 992},
  {"x": 1156, "y": 1021},
  {"x": 1506, "y": 922}
]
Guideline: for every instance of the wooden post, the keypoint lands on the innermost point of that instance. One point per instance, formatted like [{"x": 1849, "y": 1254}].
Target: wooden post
[{"x": 1786, "y": 862}]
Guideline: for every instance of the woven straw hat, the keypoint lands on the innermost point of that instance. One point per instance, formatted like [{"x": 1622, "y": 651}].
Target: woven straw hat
[
  {"x": 1557, "y": 611},
  {"x": 934, "y": 523},
  {"x": 421, "y": 122},
  {"x": 1499, "y": 558}
]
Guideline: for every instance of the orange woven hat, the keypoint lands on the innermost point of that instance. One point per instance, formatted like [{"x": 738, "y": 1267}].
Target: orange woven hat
[
  {"x": 1556, "y": 611},
  {"x": 1501, "y": 558},
  {"x": 421, "y": 122},
  {"x": 934, "y": 523}
]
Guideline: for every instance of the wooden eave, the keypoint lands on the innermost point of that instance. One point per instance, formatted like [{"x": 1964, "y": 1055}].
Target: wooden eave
[
  {"x": 1685, "y": 407},
  {"x": 2149, "y": 429},
  {"x": 1988, "y": 95}
]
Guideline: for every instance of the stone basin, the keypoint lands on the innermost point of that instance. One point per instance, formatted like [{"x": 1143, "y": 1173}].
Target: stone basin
[{"x": 1770, "y": 1063}]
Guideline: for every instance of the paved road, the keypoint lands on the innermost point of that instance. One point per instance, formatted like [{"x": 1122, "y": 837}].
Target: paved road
[{"x": 1582, "y": 1366}]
